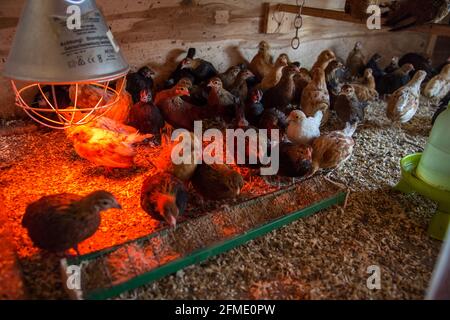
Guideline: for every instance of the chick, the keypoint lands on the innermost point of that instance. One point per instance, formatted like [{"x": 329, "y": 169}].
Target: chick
[
  {"x": 60, "y": 222},
  {"x": 221, "y": 101},
  {"x": 393, "y": 65},
  {"x": 442, "y": 107},
  {"x": 229, "y": 77},
  {"x": 179, "y": 89},
  {"x": 403, "y": 103},
  {"x": 145, "y": 116},
  {"x": 366, "y": 90},
  {"x": 301, "y": 80},
  {"x": 201, "y": 69},
  {"x": 419, "y": 62},
  {"x": 333, "y": 149},
  {"x": 275, "y": 74},
  {"x": 315, "y": 96},
  {"x": 406, "y": 14},
  {"x": 106, "y": 143},
  {"x": 348, "y": 107},
  {"x": 254, "y": 108},
  {"x": 439, "y": 86},
  {"x": 181, "y": 143},
  {"x": 180, "y": 113},
  {"x": 295, "y": 160},
  {"x": 335, "y": 78},
  {"x": 303, "y": 130},
  {"x": 164, "y": 197},
  {"x": 262, "y": 63},
  {"x": 240, "y": 88},
  {"x": 324, "y": 59},
  {"x": 217, "y": 181},
  {"x": 138, "y": 81},
  {"x": 374, "y": 65},
  {"x": 393, "y": 81},
  {"x": 273, "y": 119},
  {"x": 356, "y": 61},
  {"x": 282, "y": 94},
  {"x": 179, "y": 72}
]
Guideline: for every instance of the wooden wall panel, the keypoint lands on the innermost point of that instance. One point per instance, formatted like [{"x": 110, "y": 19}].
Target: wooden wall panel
[{"x": 157, "y": 33}]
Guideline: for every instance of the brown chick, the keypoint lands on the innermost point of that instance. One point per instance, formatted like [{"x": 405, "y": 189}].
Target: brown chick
[
  {"x": 262, "y": 63},
  {"x": 217, "y": 181},
  {"x": 229, "y": 77},
  {"x": 315, "y": 96},
  {"x": 324, "y": 59},
  {"x": 356, "y": 62},
  {"x": 275, "y": 74},
  {"x": 403, "y": 103},
  {"x": 282, "y": 95},
  {"x": 221, "y": 101},
  {"x": 366, "y": 90},
  {"x": 60, "y": 222},
  {"x": 347, "y": 106},
  {"x": 333, "y": 149},
  {"x": 178, "y": 89},
  {"x": 181, "y": 143},
  {"x": 295, "y": 160},
  {"x": 240, "y": 88},
  {"x": 164, "y": 197},
  {"x": 335, "y": 78},
  {"x": 301, "y": 80}
]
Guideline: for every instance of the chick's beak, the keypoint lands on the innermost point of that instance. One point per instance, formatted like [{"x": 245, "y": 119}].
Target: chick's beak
[
  {"x": 118, "y": 206},
  {"x": 172, "y": 221}
]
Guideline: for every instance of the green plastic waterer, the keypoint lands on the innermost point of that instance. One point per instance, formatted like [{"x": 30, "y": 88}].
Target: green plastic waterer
[{"x": 429, "y": 174}]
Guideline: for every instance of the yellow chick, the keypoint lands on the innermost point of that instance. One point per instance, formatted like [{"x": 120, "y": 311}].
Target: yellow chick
[{"x": 275, "y": 74}]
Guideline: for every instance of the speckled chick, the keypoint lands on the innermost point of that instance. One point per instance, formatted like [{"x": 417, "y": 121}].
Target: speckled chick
[
  {"x": 217, "y": 181},
  {"x": 60, "y": 222},
  {"x": 403, "y": 103},
  {"x": 332, "y": 149},
  {"x": 164, "y": 197}
]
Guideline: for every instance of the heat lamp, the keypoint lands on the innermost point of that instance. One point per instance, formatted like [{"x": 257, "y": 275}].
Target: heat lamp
[
  {"x": 429, "y": 174},
  {"x": 64, "y": 45}
]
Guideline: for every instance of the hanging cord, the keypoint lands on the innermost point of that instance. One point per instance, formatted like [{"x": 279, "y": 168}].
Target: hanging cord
[
  {"x": 298, "y": 23},
  {"x": 274, "y": 16}
]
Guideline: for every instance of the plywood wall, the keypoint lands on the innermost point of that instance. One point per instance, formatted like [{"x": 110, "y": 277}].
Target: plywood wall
[{"x": 157, "y": 33}]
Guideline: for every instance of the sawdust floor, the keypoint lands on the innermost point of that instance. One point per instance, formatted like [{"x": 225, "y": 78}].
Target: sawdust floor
[{"x": 325, "y": 256}]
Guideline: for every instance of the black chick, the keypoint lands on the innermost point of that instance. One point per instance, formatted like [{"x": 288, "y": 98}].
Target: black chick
[
  {"x": 145, "y": 116},
  {"x": 393, "y": 65},
  {"x": 374, "y": 64},
  {"x": 254, "y": 108},
  {"x": 273, "y": 119},
  {"x": 60, "y": 222},
  {"x": 442, "y": 107},
  {"x": 347, "y": 106},
  {"x": 179, "y": 72},
  {"x": 217, "y": 181},
  {"x": 419, "y": 62},
  {"x": 389, "y": 83},
  {"x": 202, "y": 70},
  {"x": 164, "y": 197},
  {"x": 295, "y": 160},
  {"x": 138, "y": 81}
]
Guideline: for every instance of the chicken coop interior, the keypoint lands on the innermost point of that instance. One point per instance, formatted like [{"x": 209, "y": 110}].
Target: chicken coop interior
[{"x": 347, "y": 100}]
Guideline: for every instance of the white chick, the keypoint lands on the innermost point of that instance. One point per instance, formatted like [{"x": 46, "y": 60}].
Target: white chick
[
  {"x": 302, "y": 129},
  {"x": 438, "y": 87}
]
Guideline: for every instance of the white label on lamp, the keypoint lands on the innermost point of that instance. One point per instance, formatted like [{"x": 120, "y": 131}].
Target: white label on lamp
[{"x": 113, "y": 41}]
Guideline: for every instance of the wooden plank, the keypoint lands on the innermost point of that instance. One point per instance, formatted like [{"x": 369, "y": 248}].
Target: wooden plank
[{"x": 433, "y": 29}]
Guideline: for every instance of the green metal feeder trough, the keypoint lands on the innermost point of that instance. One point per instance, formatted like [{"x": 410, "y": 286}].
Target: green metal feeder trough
[{"x": 108, "y": 273}]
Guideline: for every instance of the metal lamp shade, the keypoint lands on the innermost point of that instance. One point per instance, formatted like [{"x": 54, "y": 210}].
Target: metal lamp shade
[{"x": 46, "y": 50}]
